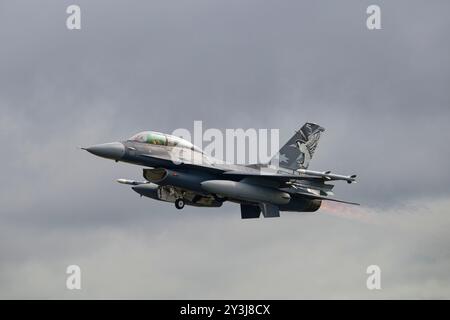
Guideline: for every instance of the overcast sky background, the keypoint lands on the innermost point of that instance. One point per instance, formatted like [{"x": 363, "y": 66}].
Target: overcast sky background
[{"x": 159, "y": 65}]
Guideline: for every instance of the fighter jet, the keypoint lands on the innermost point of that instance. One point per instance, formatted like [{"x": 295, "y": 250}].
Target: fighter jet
[{"x": 178, "y": 172}]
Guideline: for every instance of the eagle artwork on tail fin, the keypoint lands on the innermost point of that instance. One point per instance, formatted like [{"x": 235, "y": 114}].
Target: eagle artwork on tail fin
[
  {"x": 308, "y": 143},
  {"x": 298, "y": 151}
]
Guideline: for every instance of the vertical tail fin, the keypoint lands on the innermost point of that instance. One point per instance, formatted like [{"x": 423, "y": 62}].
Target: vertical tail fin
[{"x": 299, "y": 149}]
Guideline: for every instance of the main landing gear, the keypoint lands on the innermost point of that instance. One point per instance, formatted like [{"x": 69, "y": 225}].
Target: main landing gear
[{"x": 179, "y": 203}]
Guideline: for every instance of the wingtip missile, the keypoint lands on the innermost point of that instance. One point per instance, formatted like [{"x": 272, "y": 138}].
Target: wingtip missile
[{"x": 327, "y": 175}]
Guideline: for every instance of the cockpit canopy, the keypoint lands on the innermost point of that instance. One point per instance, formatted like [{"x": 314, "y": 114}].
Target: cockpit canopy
[{"x": 157, "y": 138}]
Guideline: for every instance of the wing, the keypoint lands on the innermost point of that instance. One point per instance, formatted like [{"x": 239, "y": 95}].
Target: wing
[
  {"x": 306, "y": 175},
  {"x": 308, "y": 185}
]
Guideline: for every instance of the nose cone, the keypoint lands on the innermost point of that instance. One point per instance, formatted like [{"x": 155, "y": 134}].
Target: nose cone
[{"x": 112, "y": 150}]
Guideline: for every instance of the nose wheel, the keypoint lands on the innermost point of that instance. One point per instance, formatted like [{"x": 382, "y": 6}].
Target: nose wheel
[{"x": 179, "y": 203}]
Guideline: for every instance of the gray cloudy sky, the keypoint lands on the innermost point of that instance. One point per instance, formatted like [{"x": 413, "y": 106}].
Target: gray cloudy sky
[{"x": 159, "y": 65}]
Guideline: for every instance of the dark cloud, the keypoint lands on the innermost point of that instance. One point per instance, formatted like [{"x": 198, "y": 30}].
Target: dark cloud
[
  {"x": 211, "y": 255},
  {"x": 381, "y": 95}
]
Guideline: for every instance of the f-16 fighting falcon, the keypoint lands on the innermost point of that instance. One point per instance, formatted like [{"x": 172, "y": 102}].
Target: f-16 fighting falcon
[{"x": 176, "y": 171}]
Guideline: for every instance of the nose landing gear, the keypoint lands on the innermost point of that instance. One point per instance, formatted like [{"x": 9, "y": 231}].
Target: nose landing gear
[{"x": 179, "y": 203}]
